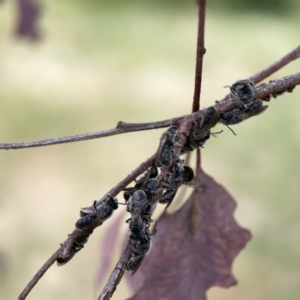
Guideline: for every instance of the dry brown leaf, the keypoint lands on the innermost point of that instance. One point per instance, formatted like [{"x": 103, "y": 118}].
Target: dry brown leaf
[
  {"x": 194, "y": 248},
  {"x": 27, "y": 24}
]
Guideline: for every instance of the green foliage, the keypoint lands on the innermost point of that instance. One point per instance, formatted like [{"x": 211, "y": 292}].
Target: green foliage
[{"x": 260, "y": 6}]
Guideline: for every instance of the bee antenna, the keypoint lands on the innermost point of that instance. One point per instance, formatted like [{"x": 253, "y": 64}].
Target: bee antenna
[
  {"x": 215, "y": 133},
  {"x": 231, "y": 130}
]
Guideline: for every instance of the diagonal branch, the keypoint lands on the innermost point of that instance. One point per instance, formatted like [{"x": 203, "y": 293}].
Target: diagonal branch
[
  {"x": 65, "y": 248},
  {"x": 185, "y": 125},
  {"x": 38, "y": 275},
  {"x": 122, "y": 127},
  {"x": 276, "y": 66},
  {"x": 117, "y": 273}
]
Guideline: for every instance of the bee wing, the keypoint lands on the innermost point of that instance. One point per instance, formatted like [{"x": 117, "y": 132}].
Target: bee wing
[
  {"x": 253, "y": 113},
  {"x": 86, "y": 211},
  {"x": 163, "y": 139},
  {"x": 192, "y": 183},
  {"x": 140, "y": 262},
  {"x": 171, "y": 199}
]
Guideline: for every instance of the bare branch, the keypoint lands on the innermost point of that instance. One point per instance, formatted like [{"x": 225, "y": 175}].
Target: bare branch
[
  {"x": 114, "y": 279},
  {"x": 185, "y": 124},
  {"x": 123, "y": 127},
  {"x": 200, "y": 53},
  {"x": 262, "y": 92},
  {"x": 277, "y": 65},
  {"x": 258, "y": 77},
  {"x": 65, "y": 248},
  {"x": 39, "y": 275},
  {"x": 116, "y": 275}
]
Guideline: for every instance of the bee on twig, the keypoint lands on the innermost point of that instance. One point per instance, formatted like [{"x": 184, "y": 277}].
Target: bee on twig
[
  {"x": 200, "y": 132},
  {"x": 181, "y": 174},
  {"x": 96, "y": 214},
  {"x": 77, "y": 246},
  {"x": 164, "y": 154},
  {"x": 237, "y": 115},
  {"x": 242, "y": 92}
]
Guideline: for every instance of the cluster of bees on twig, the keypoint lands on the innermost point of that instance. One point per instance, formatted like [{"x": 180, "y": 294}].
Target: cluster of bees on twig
[
  {"x": 138, "y": 198},
  {"x": 243, "y": 92}
]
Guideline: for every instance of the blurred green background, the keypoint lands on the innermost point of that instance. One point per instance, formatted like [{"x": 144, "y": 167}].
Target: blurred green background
[{"x": 99, "y": 63}]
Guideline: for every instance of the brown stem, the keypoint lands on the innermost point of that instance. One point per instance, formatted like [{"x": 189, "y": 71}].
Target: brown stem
[
  {"x": 276, "y": 66},
  {"x": 185, "y": 125},
  {"x": 262, "y": 92},
  {"x": 39, "y": 275},
  {"x": 198, "y": 162},
  {"x": 200, "y": 54},
  {"x": 116, "y": 275},
  {"x": 65, "y": 248},
  {"x": 123, "y": 127}
]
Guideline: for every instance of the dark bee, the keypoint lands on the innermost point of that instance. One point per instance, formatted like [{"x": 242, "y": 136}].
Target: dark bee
[
  {"x": 164, "y": 154},
  {"x": 200, "y": 132},
  {"x": 139, "y": 249},
  {"x": 181, "y": 174},
  {"x": 237, "y": 115},
  {"x": 242, "y": 92},
  {"x": 151, "y": 173},
  {"x": 137, "y": 227},
  {"x": 150, "y": 187},
  {"x": 98, "y": 214},
  {"x": 77, "y": 246},
  {"x": 137, "y": 203}
]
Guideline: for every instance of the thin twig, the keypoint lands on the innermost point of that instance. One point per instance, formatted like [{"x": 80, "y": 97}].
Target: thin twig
[
  {"x": 116, "y": 275},
  {"x": 199, "y": 65},
  {"x": 262, "y": 92},
  {"x": 277, "y": 65},
  {"x": 122, "y": 127},
  {"x": 185, "y": 125},
  {"x": 65, "y": 248},
  {"x": 224, "y": 105},
  {"x": 258, "y": 77},
  {"x": 38, "y": 275},
  {"x": 198, "y": 162},
  {"x": 200, "y": 53}
]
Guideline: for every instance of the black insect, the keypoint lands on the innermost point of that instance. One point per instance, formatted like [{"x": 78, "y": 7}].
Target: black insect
[
  {"x": 238, "y": 115},
  {"x": 139, "y": 251},
  {"x": 96, "y": 214},
  {"x": 137, "y": 228},
  {"x": 77, "y": 246},
  {"x": 151, "y": 187},
  {"x": 140, "y": 183},
  {"x": 242, "y": 92},
  {"x": 137, "y": 203},
  {"x": 200, "y": 132},
  {"x": 181, "y": 174},
  {"x": 164, "y": 154}
]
